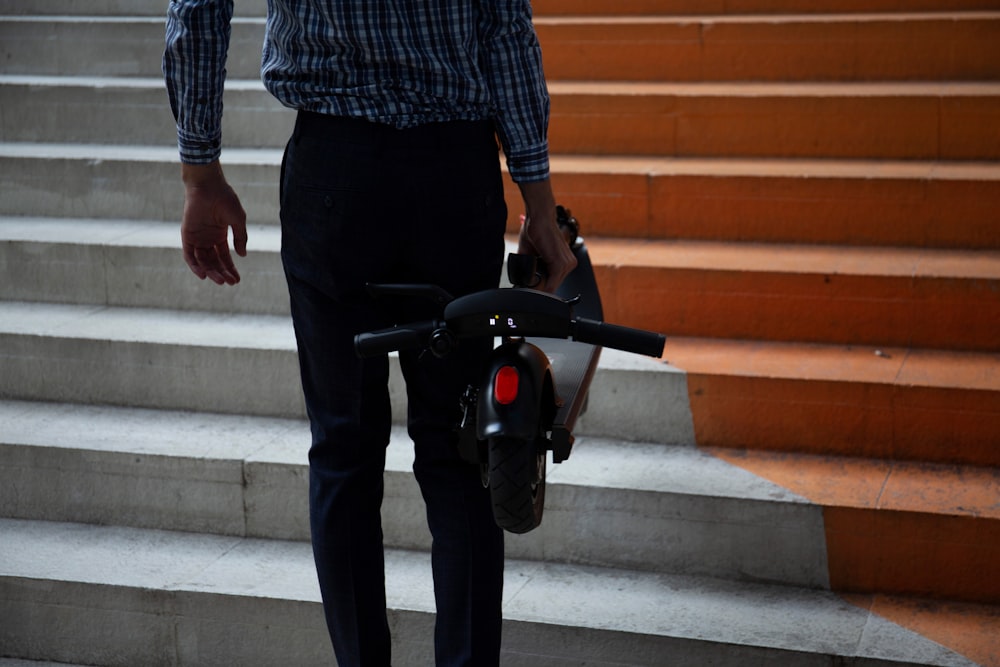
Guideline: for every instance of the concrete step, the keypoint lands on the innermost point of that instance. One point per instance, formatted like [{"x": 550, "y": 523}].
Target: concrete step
[
  {"x": 127, "y": 263},
  {"x": 849, "y": 524},
  {"x": 943, "y": 121},
  {"x": 129, "y": 110},
  {"x": 923, "y": 204},
  {"x": 546, "y": 7},
  {"x": 934, "y": 406},
  {"x": 256, "y": 8},
  {"x": 734, "y": 45},
  {"x": 149, "y": 597},
  {"x": 897, "y": 527},
  {"x": 839, "y": 294},
  {"x": 917, "y": 121},
  {"x": 950, "y": 45},
  {"x": 905, "y": 297},
  {"x": 849, "y": 202},
  {"x": 725, "y": 7},
  {"x": 646, "y": 507},
  {"x": 246, "y": 364}
]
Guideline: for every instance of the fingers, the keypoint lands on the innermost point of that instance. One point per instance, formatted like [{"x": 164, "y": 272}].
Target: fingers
[
  {"x": 546, "y": 241},
  {"x": 214, "y": 263},
  {"x": 211, "y": 209}
]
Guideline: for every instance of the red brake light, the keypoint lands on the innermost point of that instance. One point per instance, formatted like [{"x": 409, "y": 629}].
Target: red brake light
[{"x": 505, "y": 385}]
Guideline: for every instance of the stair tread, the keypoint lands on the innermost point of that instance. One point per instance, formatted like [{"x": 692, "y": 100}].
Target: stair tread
[
  {"x": 646, "y": 604},
  {"x": 174, "y": 327},
  {"x": 595, "y": 462},
  {"x": 618, "y": 164},
  {"x": 603, "y": 88},
  {"x": 903, "y": 486},
  {"x": 673, "y": 254},
  {"x": 837, "y": 363},
  {"x": 956, "y": 490},
  {"x": 797, "y": 258}
]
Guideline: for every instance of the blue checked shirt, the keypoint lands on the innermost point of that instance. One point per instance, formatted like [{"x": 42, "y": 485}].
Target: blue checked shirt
[{"x": 398, "y": 62}]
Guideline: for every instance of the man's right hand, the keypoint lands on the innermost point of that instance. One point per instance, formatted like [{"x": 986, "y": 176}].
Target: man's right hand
[
  {"x": 211, "y": 208},
  {"x": 540, "y": 234}
]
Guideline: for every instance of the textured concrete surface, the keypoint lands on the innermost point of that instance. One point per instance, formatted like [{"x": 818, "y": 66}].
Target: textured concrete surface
[{"x": 174, "y": 595}]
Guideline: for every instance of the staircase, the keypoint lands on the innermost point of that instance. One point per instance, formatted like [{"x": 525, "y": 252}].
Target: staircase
[{"x": 803, "y": 194}]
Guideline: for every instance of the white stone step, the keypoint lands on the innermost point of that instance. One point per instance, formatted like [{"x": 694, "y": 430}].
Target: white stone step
[
  {"x": 123, "y": 182},
  {"x": 649, "y": 507},
  {"x": 130, "y": 263},
  {"x": 110, "y": 45},
  {"x": 132, "y": 596},
  {"x": 246, "y": 364},
  {"x": 111, "y": 7},
  {"x": 133, "y": 263},
  {"x": 128, "y": 110}
]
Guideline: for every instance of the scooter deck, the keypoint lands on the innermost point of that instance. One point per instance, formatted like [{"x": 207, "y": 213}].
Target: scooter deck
[{"x": 573, "y": 363}]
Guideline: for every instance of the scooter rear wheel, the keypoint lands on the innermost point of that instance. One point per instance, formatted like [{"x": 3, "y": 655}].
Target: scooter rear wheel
[{"x": 517, "y": 483}]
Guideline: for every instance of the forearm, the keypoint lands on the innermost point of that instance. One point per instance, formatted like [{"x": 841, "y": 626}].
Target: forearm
[
  {"x": 194, "y": 69},
  {"x": 513, "y": 64}
]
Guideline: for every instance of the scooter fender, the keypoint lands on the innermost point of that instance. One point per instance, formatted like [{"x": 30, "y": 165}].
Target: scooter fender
[{"x": 523, "y": 417}]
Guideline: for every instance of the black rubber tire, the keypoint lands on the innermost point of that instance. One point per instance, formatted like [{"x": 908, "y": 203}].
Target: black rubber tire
[{"x": 517, "y": 483}]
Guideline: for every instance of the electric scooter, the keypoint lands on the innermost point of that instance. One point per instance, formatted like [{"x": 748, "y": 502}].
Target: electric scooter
[{"x": 534, "y": 386}]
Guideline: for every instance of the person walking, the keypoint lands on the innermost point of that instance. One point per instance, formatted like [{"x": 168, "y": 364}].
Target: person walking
[{"x": 391, "y": 175}]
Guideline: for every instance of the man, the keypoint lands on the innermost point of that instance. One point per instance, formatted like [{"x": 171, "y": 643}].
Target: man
[{"x": 391, "y": 175}]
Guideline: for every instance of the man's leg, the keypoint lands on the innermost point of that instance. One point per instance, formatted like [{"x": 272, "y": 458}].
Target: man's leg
[
  {"x": 458, "y": 244},
  {"x": 330, "y": 250}
]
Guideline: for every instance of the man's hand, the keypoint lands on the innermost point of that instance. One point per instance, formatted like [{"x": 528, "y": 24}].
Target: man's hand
[
  {"x": 540, "y": 234},
  {"x": 211, "y": 207}
]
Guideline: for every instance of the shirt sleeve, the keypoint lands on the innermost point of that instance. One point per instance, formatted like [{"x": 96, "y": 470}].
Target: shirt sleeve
[
  {"x": 512, "y": 62},
  {"x": 194, "y": 69}
]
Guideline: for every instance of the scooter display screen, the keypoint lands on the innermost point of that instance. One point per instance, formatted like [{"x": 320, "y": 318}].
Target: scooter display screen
[{"x": 510, "y": 323}]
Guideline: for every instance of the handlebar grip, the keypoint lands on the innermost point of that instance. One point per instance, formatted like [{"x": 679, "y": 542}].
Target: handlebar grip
[
  {"x": 618, "y": 337},
  {"x": 407, "y": 337}
]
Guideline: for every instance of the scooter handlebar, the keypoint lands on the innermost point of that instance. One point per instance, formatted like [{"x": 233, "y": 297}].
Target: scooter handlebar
[
  {"x": 618, "y": 337},
  {"x": 408, "y": 337}
]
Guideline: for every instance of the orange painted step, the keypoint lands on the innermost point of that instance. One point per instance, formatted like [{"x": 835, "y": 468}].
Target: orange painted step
[
  {"x": 966, "y": 628},
  {"x": 923, "y": 204},
  {"x": 657, "y": 7},
  {"x": 828, "y": 294},
  {"x": 951, "y": 45},
  {"x": 897, "y": 528},
  {"x": 883, "y": 403},
  {"x": 941, "y": 121}
]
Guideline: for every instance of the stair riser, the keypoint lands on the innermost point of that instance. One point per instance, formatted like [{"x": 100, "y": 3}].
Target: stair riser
[
  {"x": 855, "y": 419},
  {"x": 922, "y": 311},
  {"x": 125, "y": 189},
  {"x": 924, "y": 211},
  {"x": 140, "y": 277},
  {"x": 848, "y": 48},
  {"x": 802, "y": 126},
  {"x": 108, "y": 114},
  {"x": 131, "y": 626},
  {"x": 116, "y": 47},
  {"x": 904, "y": 553},
  {"x": 885, "y": 126},
  {"x": 703, "y": 7},
  {"x": 729, "y": 538},
  {"x": 877, "y": 310},
  {"x": 670, "y": 50},
  {"x": 111, "y": 7},
  {"x": 628, "y": 404},
  {"x": 551, "y": 7}
]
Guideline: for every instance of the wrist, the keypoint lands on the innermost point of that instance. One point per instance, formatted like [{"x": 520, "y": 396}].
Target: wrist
[{"x": 201, "y": 175}]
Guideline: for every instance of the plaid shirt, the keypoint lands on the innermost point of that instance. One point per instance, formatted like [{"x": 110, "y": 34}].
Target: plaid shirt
[{"x": 399, "y": 62}]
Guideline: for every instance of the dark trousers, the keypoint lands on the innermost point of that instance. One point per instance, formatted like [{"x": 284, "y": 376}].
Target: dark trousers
[{"x": 365, "y": 203}]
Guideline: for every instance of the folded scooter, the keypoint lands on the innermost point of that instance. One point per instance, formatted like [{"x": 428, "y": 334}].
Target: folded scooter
[{"x": 534, "y": 386}]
